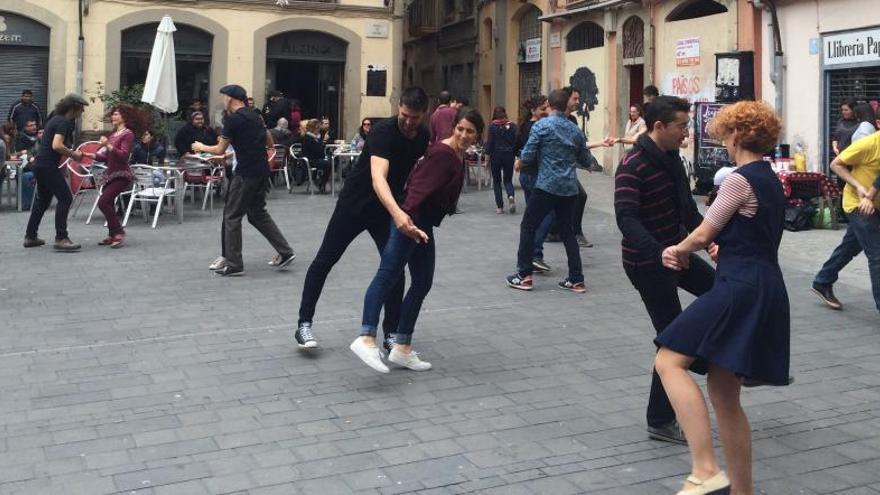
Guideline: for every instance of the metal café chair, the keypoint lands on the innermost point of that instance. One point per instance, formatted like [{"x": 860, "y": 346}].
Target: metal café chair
[{"x": 147, "y": 192}]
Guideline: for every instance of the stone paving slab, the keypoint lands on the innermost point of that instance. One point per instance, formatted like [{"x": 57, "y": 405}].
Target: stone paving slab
[{"x": 138, "y": 371}]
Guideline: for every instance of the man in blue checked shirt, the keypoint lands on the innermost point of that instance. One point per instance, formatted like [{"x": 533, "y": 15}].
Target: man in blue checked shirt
[{"x": 558, "y": 146}]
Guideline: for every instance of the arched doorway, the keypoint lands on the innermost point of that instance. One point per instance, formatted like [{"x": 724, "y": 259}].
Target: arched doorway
[
  {"x": 529, "y": 55},
  {"x": 309, "y": 66},
  {"x": 24, "y": 58},
  {"x": 192, "y": 50},
  {"x": 634, "y": 57}
]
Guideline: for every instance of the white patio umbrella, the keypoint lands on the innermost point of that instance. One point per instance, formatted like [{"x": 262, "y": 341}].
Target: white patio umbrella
[{"x": 160, "y": 88}]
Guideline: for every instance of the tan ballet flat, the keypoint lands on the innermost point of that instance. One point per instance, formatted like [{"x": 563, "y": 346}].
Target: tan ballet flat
[{"x": 716, "y": 485}]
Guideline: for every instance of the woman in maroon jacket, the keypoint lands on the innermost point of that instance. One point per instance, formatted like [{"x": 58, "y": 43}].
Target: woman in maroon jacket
[
  {"x": 128, "y": 122},
  {"x": 432, "y": 192}
]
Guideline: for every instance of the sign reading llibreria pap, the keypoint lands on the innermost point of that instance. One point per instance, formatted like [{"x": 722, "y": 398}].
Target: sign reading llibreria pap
[{"x": 852, "y": 47}]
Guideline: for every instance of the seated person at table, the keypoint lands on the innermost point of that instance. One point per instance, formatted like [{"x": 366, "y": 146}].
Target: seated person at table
[
  {"x": 28, "y": 138},
  {"x": 357, "y": 143},
  {"x": 313, "y": 150},
  {"x": 194, "y": 130},
  {"x": 147, "y": 149},
  {"x": 281, "y": 134}
]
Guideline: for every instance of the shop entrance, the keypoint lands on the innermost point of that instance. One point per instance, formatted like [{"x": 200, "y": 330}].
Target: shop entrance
[
  {"x": 859, "y": 84},
  {"x": 315, "y": 85},
  {"x": 309, "y": 66},
  {"x": 24, "y": 57}
]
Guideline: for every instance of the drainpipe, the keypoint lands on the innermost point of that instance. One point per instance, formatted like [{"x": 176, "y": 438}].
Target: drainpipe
[
  {"x": 778, "y": 71},
  {"x": 80, "y": 48}
]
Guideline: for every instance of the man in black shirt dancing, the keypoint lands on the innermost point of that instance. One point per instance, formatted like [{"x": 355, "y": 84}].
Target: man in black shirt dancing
[{"x": 369, "y": 199}]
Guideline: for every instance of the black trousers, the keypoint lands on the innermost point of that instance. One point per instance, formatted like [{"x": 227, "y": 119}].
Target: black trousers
[
  {"x": 247, "y": 196},
  {"x": 343, "y": 228},
  {"x": 50, "y": 182},
  {"x": 577, "y": 213},
  {"x": 658, "y": 287},
  {"x": 539, "y": 205}
]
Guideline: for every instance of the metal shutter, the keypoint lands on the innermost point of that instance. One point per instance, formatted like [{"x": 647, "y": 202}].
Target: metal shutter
[
  {"x": 860, "y": 84},
  {"x": 24, "y": 67}
]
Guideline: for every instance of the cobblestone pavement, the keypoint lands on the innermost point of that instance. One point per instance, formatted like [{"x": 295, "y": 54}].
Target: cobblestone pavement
[{"x": 138, "y": 371}]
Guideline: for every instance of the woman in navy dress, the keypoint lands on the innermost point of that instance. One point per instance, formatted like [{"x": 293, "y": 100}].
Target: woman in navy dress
[{"x": 740, "y": 328}]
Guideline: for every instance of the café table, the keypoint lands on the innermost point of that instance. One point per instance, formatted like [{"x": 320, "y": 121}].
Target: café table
[
  {"x": 187, "y": 163},
  {"x": 338, "y": 155}
]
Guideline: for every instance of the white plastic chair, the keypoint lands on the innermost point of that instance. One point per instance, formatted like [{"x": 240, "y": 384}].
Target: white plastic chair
[{"x": 146, "y": 192}]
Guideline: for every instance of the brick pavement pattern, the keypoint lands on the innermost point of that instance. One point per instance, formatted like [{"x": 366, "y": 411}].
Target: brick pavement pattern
[{"x": 138, "y": 371}]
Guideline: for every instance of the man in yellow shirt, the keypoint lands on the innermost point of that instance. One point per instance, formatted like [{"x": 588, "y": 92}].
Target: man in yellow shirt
[{"x": 859, "y": 166}]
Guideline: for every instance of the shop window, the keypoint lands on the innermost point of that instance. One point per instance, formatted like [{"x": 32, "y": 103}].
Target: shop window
[
  {"x": 695, "y": 9},
  {"x": 584, "y": 36},
  {"x": 634, "y": 37}
]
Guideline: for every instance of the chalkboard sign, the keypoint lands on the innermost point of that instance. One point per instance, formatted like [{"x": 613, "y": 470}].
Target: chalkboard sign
[{"x": 710, "y": 153}]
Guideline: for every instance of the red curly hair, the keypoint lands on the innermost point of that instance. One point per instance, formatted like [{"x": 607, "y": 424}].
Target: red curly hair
[
  {"x": 137, "y": 119},
  {"x": 753, "y": 124}
]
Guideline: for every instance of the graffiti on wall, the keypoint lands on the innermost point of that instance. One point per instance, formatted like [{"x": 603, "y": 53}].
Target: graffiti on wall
[
  {"x": 691, "y": 86},
  {"x": 584, "y": 80}
]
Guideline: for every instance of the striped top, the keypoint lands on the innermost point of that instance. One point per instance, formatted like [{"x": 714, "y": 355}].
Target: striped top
[
  {"x": 735, "y": 196},
  {"x": 648, "y": 207}
]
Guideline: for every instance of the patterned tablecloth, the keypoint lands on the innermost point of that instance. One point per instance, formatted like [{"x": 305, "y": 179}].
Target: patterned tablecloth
[{"x": 801, "y": 186}]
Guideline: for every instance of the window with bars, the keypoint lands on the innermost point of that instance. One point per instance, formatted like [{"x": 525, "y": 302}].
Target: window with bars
[
  {"x": 634, "y": 37},
  {"x": 584, "y": 36},
  {"x": 859, "y": 84},
  {"x": 529, "y": 25}
]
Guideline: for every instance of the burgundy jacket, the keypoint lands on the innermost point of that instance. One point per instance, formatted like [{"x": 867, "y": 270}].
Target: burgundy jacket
[{"x": 434, "y": 185}]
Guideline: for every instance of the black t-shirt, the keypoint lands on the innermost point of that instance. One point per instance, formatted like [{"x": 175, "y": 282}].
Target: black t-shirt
[
  {"x": 48, "y": 157},
  {"x": 245, "y": 130},
  {"x": 385, "y": 141}
]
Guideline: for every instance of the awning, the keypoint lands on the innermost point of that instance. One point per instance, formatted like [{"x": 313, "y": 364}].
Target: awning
[{"x": 565, "y": 14}]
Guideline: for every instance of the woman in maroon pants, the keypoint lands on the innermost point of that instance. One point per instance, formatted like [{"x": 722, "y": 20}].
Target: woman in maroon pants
[{"x": 128, "y": 122}]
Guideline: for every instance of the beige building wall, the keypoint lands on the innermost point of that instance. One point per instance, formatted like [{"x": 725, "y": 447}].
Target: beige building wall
[
  {"x": 515, "y": 10},
  {"x": 240, "y": 32},
  {"x": 716, "y": 34},
  {"x": 596, "y": 59},
  {"x": 800, "y": 21}
]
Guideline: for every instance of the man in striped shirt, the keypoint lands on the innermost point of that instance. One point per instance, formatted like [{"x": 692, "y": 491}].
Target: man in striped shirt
[{"x": 654, "y": 209}]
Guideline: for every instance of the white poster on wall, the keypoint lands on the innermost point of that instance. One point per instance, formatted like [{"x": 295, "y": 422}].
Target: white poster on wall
[
  {"x": 687, "y": 52},
  {"x": 533, "y": 50},
  {"x": 852, "y": 47}
]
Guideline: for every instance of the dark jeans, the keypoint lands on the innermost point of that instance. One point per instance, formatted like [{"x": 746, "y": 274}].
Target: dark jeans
[
  {"x": 540, "y": 204},
  {"x": 577, "y": 214},
  {"x": 399, "y": 252},
  {"x": 106, "y": 202},
  {"x": 527, "y": 181},
  {"x": 658, "y": 287},
  {"x": 50, "y": 182},
  {"x": 247, "y": 196},
  {"x": 343, "y": 228},
  {"x": 502, "y": 172},
  {"x": 862, "y": 234}
]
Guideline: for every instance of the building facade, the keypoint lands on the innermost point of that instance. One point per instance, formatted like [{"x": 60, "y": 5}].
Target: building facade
[
  {"x": 440, "y": 47},
  {"x": 339, "y": 58},
  {"x": 612, "y": 49},
  {"x": 831, "y": 51}
]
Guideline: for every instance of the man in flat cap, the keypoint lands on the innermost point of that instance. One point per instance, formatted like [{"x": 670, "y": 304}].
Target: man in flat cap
[
  {"x": 55, "y": 147},
  {"x": 245, "y": 131}
]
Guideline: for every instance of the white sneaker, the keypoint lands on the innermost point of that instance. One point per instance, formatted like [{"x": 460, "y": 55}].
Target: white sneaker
[
  {"x": 369, "y": 355},
  {"x": 217, "y": 264},
  {"x": 411, "y": 360}
]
